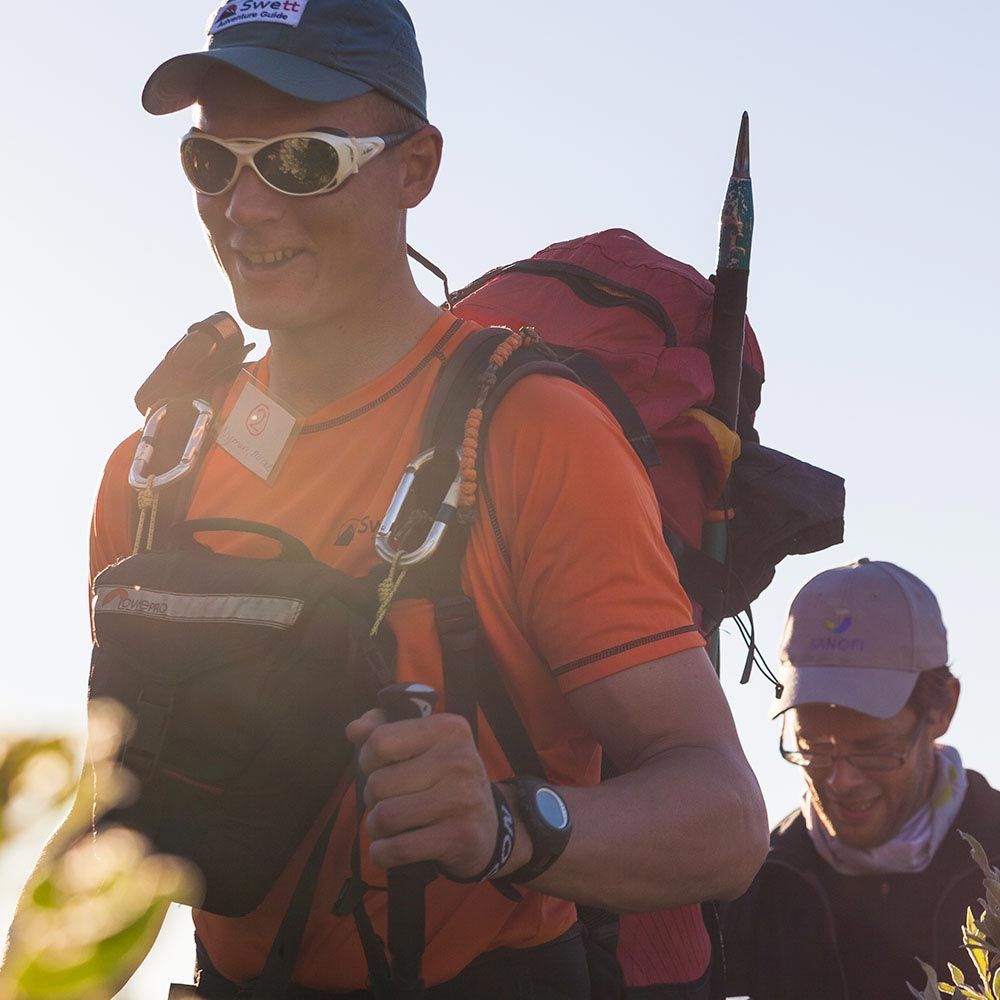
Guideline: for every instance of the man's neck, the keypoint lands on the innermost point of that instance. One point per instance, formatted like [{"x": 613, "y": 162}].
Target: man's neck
[{"x": 311, "y": 367}]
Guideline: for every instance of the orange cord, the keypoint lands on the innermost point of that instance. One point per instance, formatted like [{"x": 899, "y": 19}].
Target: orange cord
[{"x": 473, "y": 423}]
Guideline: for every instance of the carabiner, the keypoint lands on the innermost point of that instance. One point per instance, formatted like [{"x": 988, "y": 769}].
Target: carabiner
[
  {"x": 384, "y": 544},
  {"x": 137, "y": 476}
]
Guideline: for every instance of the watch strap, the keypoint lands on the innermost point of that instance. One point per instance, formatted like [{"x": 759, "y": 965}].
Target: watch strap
[{"x": 547, "y": 842}]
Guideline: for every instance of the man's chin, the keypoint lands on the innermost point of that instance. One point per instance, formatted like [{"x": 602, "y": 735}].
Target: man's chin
[
  {"x": 860, "y": 825},
  {"x": 264, "y": 315}
]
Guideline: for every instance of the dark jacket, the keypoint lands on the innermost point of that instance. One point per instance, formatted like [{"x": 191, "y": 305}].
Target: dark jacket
[{"x": 783, "y": 942}]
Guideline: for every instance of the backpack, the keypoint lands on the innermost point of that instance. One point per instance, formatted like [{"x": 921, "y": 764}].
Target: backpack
[
  {"x": 631, "y": 325},
  {"x": 634, "y": 325}
]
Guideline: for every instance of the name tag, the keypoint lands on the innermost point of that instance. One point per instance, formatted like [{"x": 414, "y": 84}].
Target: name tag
[{"x": 259, "y": 430}]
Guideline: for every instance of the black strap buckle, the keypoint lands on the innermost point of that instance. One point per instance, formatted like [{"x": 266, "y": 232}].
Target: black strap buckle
[{"x": 457, "y": 623}]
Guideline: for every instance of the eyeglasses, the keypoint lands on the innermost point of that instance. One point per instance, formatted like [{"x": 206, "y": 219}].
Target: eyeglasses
[
  {"x": 885, "y": 760},
  {"x": 299, "y": 164}
]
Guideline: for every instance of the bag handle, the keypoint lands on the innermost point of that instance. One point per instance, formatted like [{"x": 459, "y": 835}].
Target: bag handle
[{"x": 292, "y": 549}]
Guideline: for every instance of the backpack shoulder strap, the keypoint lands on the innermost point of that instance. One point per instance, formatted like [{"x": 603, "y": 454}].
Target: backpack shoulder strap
[
  {"x": 202, "y": 365},
  {"x": 472, "y": 678},
  {"x": 459, "y": 383},
  {"x": 599, "y": 380}
]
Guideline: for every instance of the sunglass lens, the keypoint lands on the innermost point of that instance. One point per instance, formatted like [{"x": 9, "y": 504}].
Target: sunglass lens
[
  {"x": 298, "y": 165},
  {"x": 209, "y": 166}
]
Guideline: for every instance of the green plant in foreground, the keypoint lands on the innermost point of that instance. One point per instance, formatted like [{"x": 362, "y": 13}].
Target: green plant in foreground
[
  {"x": 100, "y": 898},
  {"x": 36, "y": 776},
  {"x": 981, "y": 940}
]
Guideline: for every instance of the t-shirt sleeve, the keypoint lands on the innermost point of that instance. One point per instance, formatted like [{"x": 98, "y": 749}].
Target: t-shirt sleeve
[
  {"x": 109, "y": 528},
  {"x": 576, "y": 518}
]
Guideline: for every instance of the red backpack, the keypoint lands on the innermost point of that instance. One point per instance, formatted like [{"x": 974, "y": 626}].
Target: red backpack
[{"x": 645, "y": 318}]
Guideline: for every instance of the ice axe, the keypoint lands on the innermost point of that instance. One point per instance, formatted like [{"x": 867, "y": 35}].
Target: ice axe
[{"x": 725, "y": 346}]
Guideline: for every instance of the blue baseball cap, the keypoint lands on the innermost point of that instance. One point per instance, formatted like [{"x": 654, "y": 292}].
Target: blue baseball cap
[{"x": 315, "y": 50}]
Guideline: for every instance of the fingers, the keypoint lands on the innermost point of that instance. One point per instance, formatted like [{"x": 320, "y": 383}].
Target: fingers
[
  {"x": 360, "y": 729},
  {"x": 444, "y": 801},
  {"x": 427, "y": 794},
  {"x": 393, "y": 742},
  {"x": 460, "y": 843}
]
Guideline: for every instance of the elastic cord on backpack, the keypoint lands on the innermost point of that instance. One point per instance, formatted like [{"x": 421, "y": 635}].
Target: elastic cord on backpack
[{"x": 525, "y": 337}]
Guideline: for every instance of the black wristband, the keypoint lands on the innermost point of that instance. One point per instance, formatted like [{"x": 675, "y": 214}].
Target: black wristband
[
  {"x": 545, "y": 816},
  {"x": 503, "y": 848}
]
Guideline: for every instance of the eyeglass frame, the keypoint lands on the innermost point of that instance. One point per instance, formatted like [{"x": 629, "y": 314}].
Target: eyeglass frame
[
  {"x": 900, "y": 756},
  {"x": 360, "y": 150}
]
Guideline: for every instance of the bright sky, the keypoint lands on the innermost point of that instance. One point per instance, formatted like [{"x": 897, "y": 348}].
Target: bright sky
[{"x": 873, "y": 290}]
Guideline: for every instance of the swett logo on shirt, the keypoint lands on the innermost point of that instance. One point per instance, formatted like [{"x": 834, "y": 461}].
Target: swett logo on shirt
[
  {"x": 287, "y": 12},
  {"x": 356, "y": 527}
]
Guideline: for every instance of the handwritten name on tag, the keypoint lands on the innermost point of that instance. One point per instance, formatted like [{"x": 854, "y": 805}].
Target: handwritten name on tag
[{"x": 259, "y": 430}]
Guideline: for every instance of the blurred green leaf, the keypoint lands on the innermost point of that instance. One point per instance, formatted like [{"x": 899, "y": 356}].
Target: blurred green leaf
[
  {"x": 94, "y": 969},
  {"x": 100, "y": 900},
  {"x": 99, "y": 907},
  {"x": 36, "y": 775}
]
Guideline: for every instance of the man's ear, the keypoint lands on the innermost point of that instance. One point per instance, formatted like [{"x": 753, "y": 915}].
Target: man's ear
[
  {"x": 939, "y": 719},
  {"x": 420, "y": 159}
]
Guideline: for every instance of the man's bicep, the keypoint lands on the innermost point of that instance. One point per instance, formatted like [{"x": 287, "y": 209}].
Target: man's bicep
[
  {"x": 675, "y": 701},
  {"x": 595, "y": 585}
]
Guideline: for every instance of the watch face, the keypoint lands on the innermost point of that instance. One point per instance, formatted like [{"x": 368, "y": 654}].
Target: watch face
[{"x": 552, "y": 808}]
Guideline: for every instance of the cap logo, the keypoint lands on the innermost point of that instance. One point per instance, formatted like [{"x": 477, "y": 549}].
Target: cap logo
[
  {"x": 840, "y": 622},
  {"x": 287, "y": 12}
]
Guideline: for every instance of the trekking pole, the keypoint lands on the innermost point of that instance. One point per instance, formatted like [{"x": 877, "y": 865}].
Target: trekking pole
[
  {"x": 725, "y": 346},
  {"x": 406, "y": 884}
]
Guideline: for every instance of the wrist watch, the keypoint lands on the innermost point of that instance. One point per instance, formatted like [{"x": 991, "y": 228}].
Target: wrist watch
[{"x": 546, "y": 817}]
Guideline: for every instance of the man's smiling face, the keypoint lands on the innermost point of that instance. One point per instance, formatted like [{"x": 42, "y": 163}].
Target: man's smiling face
[
  {"x": 299, "y": 263},
  {"x": 865, "y": 808}
]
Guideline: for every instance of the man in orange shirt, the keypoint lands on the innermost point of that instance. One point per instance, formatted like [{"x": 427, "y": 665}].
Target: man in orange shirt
[{"x": 311, "y": 143}]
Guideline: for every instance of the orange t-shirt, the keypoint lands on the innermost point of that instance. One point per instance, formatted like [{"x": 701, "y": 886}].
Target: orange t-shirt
[{"x": 569, "y": 574}]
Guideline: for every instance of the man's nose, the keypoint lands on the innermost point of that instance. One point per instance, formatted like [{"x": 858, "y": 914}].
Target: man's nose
[
  {"x": 252, "y": 202},
  {"x": 844, "y": 776}
]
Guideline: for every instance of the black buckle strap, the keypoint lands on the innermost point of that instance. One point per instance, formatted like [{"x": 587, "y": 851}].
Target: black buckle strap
[
  {"x": 351, "y": 899},
  {"x": 280, "y": 965}
]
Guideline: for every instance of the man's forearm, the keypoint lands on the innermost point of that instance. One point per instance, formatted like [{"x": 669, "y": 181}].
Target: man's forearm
[{"x": 689, "y": 825}]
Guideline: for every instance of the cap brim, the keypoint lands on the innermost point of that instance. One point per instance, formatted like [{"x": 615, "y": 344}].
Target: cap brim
[
  {"x": 881, "y": 693},
  {"x": 176, "y": 84}
]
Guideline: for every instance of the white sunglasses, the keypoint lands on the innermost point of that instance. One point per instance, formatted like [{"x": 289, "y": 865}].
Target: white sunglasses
[{"x": 298, "y": 164}]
